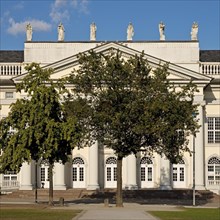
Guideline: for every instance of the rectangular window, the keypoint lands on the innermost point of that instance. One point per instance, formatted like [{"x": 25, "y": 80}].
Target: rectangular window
[
  {"x": 214, "y": 130},
  {"x": 9, "y": 95}
]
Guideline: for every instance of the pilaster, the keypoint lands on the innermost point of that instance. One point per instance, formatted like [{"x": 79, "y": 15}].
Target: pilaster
[
  {"x": 59, "y": 176},
  {"x": 165, "y": 174},
  {"x": 26, "y": 183},
  {"x": 93, "y": 167},
  {"x": 131, "y": 172}
]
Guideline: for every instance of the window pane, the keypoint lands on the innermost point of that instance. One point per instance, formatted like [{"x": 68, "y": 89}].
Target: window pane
[
  {"x": 149, "y": 174},
  {"x": 210, "y": 168},
  {"x": 217, "y": 137},
  {"x": 181, "y": 174},
  {"x": 81, "y": 174},
  {"x": 115, "y": 173},
  {"x": 210, "y": 137},
  {"x": 74, "y": 174},
  {"x": 42, "y": 174},
  {"x": 108, "y": 173},
  {"x": 210, "y": 123},
  {"x": 142, "y": 173},
  {"x": 174, "y": 174},
  {"x": 217, "y": 123},
  {"x": 9, "y": 95},
  {"x": 210, "y": 177}
]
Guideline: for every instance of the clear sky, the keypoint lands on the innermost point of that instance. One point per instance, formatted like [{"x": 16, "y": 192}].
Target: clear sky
[{"x": 111, "y": 18}]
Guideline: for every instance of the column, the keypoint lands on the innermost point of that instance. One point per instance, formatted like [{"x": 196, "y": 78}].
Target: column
[
  {"x": 26, "y": 179},
  {"x": 165, "y": 174},
  {"x": 131, "y": 172},
  {"x": 93, "y": 167},
  {"x": 59, "y": 176},
  {"x": 199, "y": 153}
]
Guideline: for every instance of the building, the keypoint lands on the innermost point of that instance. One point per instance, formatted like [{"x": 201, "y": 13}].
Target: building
[{"x": 95, "y": 167}]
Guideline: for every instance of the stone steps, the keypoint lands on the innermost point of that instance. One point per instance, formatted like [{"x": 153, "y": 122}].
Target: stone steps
[{"x": 146, "y": 196}]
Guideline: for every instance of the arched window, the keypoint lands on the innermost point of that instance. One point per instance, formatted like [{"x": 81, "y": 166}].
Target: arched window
[
  {"x": 214, "y": 171},
  {"x": 111, "y": 160},
  {"x": 146, "y": 172},
  {"x": 111, "y": 172},
  {"x": 179, "y": 174},
  {"x": 78, "y": 173},
  {"x": 78, "y": 160}
]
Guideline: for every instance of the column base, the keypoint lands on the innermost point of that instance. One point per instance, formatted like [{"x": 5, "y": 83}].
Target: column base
[
  {"x": 131, "y": 187},
  {"x": 92, "y": 187},
  {"x": 26, "y": 187},
  {"x": 165, "y": 187},
  {"x": 60, "y": 187},
  {"x": 200, "y": 187}
]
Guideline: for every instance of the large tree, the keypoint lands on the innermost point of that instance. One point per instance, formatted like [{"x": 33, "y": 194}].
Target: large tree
[
  {"x": 134, "y": 107},
  {"x": 36, "y": 127}
]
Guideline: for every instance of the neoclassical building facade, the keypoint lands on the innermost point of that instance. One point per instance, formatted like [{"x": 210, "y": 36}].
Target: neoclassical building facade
[{"x": 95, "y": 167}]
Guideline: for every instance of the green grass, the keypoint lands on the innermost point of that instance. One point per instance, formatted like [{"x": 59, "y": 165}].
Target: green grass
[
  {"x": 36, "y": 213},
  {"x": 189, "y": 214}
]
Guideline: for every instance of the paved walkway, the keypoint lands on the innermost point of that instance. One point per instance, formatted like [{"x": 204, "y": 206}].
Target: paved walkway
[{"x": 114, "y": 214}]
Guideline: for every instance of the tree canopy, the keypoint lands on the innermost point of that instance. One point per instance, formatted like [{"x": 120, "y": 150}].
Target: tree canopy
[
  {"x": 36, "y": 127},
  {"x": 134, "y": 107}
]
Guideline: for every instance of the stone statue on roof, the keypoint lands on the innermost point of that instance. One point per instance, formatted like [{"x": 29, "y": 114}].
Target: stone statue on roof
[
  {"x": 162, "y": 30},
  {"x": 29, "y": 32},
  {"x": 194, "y": 31},
  {"x": 130, "y": 31},
  {"x": 61, "y": 32},
  {"x": 93, "y": 29}
]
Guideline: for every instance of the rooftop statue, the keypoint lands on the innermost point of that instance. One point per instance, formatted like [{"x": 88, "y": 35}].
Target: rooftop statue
[
  {"x": 93, "y": 29},
  {"x": 29, "y": 32},
  {"x": 61, "y": 32},
  {"x": 161, "y": 30},
  {"x": 194, "y": 31},
  {"x": 130, "y": 31}
]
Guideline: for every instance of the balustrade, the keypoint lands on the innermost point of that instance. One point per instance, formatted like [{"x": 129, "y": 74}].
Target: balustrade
[
  {"x": 214, "y": 182},
  {"x": 10, "y": 69},
  {"x": 210, "y": 68},
  {"x": 10, "y": 184}
]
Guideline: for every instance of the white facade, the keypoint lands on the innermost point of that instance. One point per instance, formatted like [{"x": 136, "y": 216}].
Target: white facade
[{"x": 95, "y": 167}]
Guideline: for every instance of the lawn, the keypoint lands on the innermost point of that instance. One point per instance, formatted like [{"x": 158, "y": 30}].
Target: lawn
[
  {"x": 189, "y": 214},
  {"x": 35, "y": 212}
]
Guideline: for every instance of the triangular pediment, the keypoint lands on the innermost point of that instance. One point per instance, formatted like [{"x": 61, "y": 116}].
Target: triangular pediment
[{"x": 178, "y": 74}]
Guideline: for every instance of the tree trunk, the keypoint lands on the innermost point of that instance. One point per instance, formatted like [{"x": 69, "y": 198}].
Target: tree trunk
[
  {"x": 119, "y": 198},
  {"x": 51, "y": 184}
]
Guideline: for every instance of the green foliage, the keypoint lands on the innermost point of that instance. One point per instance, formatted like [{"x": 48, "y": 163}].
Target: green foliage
[
  {"x": 40, "y": 128},
  {"x": 189, "y": 214},
  {"x": 134, "y": 107}
]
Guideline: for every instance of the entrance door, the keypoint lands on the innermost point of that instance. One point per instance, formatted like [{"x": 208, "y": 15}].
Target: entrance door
[
  {"x": 179, "y": 180},
  {"x": 78, "y": 173},
  {"x": 44, "y": 176},
  {"x": 111, "y": 173},
  {"x": 146, "y": 173}
]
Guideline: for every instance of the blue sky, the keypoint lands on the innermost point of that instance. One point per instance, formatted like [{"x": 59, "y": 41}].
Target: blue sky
[{"x": 111, "y": 18}]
